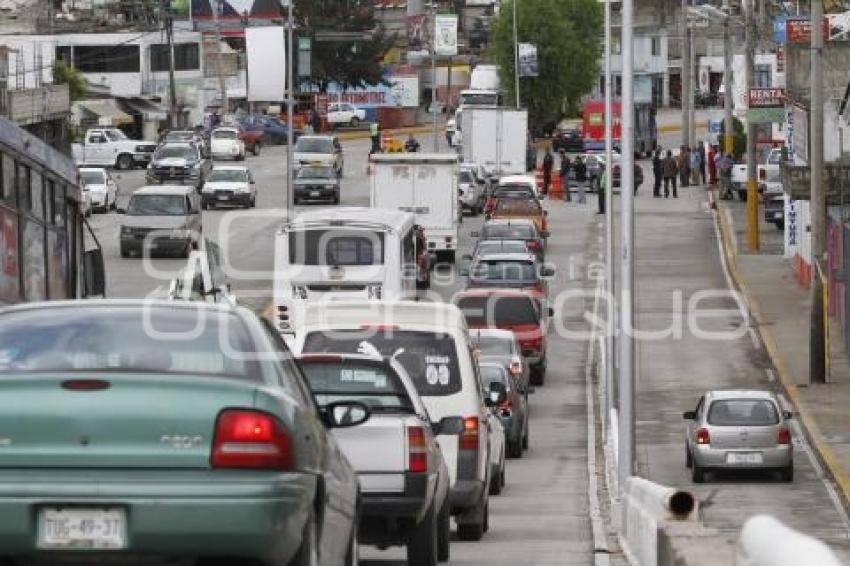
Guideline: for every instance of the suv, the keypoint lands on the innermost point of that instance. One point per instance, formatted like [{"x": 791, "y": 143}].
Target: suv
[
  {"x": 401, "y": 469},
  {"x": 319, "y": 150},
  {"x": 178, "y": 162},
  {"x": 344, "y": 114},
  {"x": 430, "y": 341},
  {"x": 161, "y": 218},
  {"x": 522, "y": 312}
]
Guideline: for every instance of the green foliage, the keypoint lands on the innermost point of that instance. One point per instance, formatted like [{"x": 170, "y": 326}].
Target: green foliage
[
  {"x": 567, "y": 34},
  {"x": 64, "y": 73},
  {"x": 739, "y": 137}
]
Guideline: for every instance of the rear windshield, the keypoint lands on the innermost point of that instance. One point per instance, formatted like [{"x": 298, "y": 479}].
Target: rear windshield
[
  {"x": 502, "y": 270},
  {"x": 519, "y": 206},
  {"x": 224, "y": 135},
  {"x": 465, "y": 177},
  {"x": 493, "y": 373},
  {"x": 494, "y": 346},
  {"x": 314, "y": 145},
  {"x": 501, "y": 246},
  {"x": 371, "y": 384},
  {"x": 336, "y": 247},
  {"x": 485, "y": 311},
  {"x": 430, "y": 358},
  {"x": 157, "y": 205},
  {"x": 230, "y": 175},
  {"x": 508, "y": 231},
  {"x": 122, "y": 339},
  {"x": 513, "y": 189},
  {"x": 743, "y": 412}
]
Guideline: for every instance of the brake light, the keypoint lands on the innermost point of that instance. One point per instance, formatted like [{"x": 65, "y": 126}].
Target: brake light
[
  {"x": 470, "y": 435},
  {"x": 783, "y": 436},
  {"x": 702, "y": 436},
  {"x": 762, "y": 174},
  {"x": 417, "y": 449},
  {"x": 248, "y": 439},
  {"x": 379, "y": 327},
  {"x": 533, "y": 245},
  {"x": 85, "y": 384},
  {"x": 532, "y": 344}
]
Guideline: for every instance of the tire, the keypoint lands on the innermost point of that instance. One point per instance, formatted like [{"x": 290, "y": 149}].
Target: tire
[
  {"x": 124, "y": 162},
  {"x": 496, "y": 481},
  {"x": 515, "y": 448},
  {"x": 253, "y": 203},
  {"x": 114, "y": 204},
  {"x": 474, "y": 531},
  {"x": 444, "y": 532},
  {"x": 697, "y": 473},
  {"x": 538, "y": 375},
  {"x": 355, "y": 121},
  {"x": 526, "y": 435},
  {"x": 423, "y": 542},
  {"x": 786, "y": 474},
  {"x": 689, "y": 460},
  {"x": 308, "y": 552},
  {"x": 336, "y": 198}
]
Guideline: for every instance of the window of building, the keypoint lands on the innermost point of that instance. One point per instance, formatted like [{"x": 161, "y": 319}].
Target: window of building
[
  {"x": 107, "y": 58},
  {"x": 24, "y": 202},
  {"x": 37, "y": 194},
  {"x": 186, "y": 57},
  {"x": 10, "y": 274},
  {"x": 656, "y": 46},
  {"x": 762, "y": 76}
]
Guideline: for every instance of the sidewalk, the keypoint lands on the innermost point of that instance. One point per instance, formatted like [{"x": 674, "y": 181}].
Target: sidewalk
[{"x": 781, "y": 309}]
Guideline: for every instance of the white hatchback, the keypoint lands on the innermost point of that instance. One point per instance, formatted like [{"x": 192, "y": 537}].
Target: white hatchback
[
  {"x": 101, "y": 188},
  {"x": 226, "y": 143}
]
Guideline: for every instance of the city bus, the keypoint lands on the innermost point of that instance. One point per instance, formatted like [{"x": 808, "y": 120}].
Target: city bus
[{"x": 43, "y": 252}]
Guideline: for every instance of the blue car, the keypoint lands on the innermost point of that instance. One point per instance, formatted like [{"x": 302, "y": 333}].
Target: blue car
[{"x": 274, "y": 131}]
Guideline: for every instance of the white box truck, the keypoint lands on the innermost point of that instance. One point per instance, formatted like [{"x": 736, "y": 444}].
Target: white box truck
[
  {"x": 495, "y": 138},
  {"x": 425, "y": 184}
]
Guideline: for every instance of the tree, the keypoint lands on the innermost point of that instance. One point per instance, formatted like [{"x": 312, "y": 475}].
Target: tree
[
  {"x": 567, "y": 35},
  {"x": 64, "y": 73},
  {"x": 349, "y": 63}
]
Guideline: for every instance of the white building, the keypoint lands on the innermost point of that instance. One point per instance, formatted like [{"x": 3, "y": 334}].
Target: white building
[{"x": 651, "y": 76}]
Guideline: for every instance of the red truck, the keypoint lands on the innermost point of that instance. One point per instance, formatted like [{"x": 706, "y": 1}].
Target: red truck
[{"x": 593, "y": 126}]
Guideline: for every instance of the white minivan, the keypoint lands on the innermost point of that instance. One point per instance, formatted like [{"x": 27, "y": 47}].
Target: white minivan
[{"x": 431, "y": 341}]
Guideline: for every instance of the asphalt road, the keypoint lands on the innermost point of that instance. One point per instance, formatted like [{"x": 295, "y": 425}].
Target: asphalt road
[{"x": 541, "y": 518}]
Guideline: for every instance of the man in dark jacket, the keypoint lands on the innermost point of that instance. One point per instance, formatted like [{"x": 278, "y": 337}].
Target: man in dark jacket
[
  {"x": 548, "y": 163},
  {"x": 565, "y": 174},
  {"x": 656, "y": 173},
  {"x": 669, "y": 169},
  {"x": 580, "y": 169}
]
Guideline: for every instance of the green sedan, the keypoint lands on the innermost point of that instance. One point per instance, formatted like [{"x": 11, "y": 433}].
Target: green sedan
[{"x": 166, "y": 430}]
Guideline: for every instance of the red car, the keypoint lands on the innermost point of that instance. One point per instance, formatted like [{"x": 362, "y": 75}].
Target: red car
[
  {"x": 253, "y": 140},
  {"x": 521, "y": 311}
]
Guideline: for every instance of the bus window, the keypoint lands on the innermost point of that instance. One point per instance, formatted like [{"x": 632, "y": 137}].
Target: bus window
[
  {"x": 7, "y": 181},
  {"x": 10, "y": 275},
  {"x": 24, "y": 187}
]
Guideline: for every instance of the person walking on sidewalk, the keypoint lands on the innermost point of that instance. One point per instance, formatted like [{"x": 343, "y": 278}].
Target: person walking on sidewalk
[
  {"x": 694, "y": 165},
  {"x": 375, "y": 135},
  {"x": 581, "y": 179},
  {"x": 600, "y": 194},
  {"x": 702, "y": 162},
  {"x": 548, "y": 163},
  {"x": 712, "y": 165},
  {"x": 656, "y": 173},
  {"x": 682, "y": 163},
  {"x": 669, "y": 169},
  {"x": 724, "y": 167},
  {"x": 565, "y": 174}
]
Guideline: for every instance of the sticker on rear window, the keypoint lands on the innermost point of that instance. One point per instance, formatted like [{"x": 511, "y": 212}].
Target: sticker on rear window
[{"x": 437, "y": 373}]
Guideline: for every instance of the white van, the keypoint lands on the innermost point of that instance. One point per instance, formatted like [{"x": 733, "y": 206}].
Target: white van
[
  {"x": 424, "y": 184},
  {"x": 431, "y": 341},
  {"x": 343, "y": 254}
]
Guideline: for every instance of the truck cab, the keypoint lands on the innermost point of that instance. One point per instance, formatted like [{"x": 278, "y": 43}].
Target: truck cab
[{"x": 110, "y": 147}]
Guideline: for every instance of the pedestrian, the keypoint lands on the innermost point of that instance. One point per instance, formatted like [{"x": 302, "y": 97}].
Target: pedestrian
[
  {"x": 702, "y": 157},
  {"x": 711, "y": 158},
  {"x": 724, "y": 167},
  {"x": 669, "y": 168},
  {"x": 548, "y": 163},
  {"x": 565, "y": 174},
  {"x": 656, "y": 173},
  {"x": 580, "y": 169},
  {"x": 682, "y": 163},
  {"x": 694, "y": 165},
  {"x": 375, "y": 134},
  {"x": 411, "y": 145}
]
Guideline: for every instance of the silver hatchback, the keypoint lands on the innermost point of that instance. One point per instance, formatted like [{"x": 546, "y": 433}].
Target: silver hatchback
[{"x": 737, "y": 430}]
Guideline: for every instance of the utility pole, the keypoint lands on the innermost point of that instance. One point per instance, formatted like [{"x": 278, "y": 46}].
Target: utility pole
[
  {"x": 434, "y": 135},
  {"x": 692, "y": 83},
  {"x": 516, "y": 56},
  {"x": 626, "y": 443},
  {"x": 727, "y": 84},
  {"x": 817, "y": 344},
  {"x": 290, "y": 127},
  {"x": 685, "y": 75},
  {"x": 173, "y": 113},
  {"x": 752, "y": 182},
  {"x": 219, "y": 68},
  {"x": 609, "y": 225}
]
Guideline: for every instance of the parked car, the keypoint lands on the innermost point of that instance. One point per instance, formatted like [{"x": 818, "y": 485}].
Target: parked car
[
  {"x": 497, "y": 451},
  {"x": 110, "y": 147},
  {"x": 229, "y": 185},
  {"x": 508, "y": 270},
  {"x": 319, "y": 151},
  {"x": 253, "y": 140},
  {"x": 163, "y": 443},
  {"x": 471, "y": 192},
  {"x": 522, "y": 312},
  {"x": 179, "y": 162},
  {"x": 514, "y": 229},
  {"x": 512, "y": 410},
  {"x": 568, "y": 139},
  {"x": 510, "y": 208},
  {"x": 274, "y": 132},
  {"x": 735, "y": 430},
  {"x": 226, "y": 143},
  {"x": 345, "y": 114},
  {"x": 316, "y": 183},
  {"x": 101, "y": 187},
  {"x": 161, "y": 218},
  {"x": 400, "y": 466},
  {"x": 430, "y": 341}
]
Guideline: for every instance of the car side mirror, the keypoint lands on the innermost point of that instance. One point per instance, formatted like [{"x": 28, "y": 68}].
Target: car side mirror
[
  {"x": 787, "y": 415},
  {"x": 689, "y": 415},
  {"x": 448, "y": 426},
  {"x": 344, "y": 414},
  {"x": 121, "y": 210},
  {"x": 94, "y": 273},
  {"x": 496, "y": 394}
]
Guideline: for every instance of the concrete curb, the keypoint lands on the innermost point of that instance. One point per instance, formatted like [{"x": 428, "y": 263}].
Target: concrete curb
[{"x": 810, "y": 426}]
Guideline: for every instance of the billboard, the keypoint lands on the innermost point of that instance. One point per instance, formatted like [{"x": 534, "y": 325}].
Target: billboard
[
  {"x": 234, "y": 14},
  {"x": 445, "y": 35},
  {"x": 265, "y": 50},
  {"x": 527, "y": 59}
]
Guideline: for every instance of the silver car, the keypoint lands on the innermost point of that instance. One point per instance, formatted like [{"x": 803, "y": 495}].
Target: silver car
[{"x": 737, "y": 430}]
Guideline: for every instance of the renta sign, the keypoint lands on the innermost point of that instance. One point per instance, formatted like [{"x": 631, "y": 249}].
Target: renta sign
[{"x": 767, "y": 98}]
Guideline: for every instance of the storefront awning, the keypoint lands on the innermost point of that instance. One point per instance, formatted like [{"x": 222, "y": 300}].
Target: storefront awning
[
  {"x": 148, "y": 109},
  {"x": 106, "y": 111}
]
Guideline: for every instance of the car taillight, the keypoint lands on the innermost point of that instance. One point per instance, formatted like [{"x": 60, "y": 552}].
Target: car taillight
[
  {"x": 516, "y": 368},
  {"x": 702, "y": 436},
  {"x": 417, "y": 449},
  {"x": 533, "y": 344},
  {"x": 762, "y": 174},
  {"x": 250, "y": 439},
  {"x": 533, "y": 245},
  {"x": 469, "y": 436},
  {"x": 783, "y": 436}
]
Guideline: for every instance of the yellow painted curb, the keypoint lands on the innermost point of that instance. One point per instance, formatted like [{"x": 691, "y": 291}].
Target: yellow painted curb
[
  {"x": 364, "y": 134},
  {"x": 824, "y": 450}
]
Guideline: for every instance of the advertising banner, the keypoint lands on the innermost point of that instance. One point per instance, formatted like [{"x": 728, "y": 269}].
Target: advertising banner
[
  {"x": 445, "y": 35},
  {"x": 527, "y": 60},
  {"x": 265, "y": 48}
]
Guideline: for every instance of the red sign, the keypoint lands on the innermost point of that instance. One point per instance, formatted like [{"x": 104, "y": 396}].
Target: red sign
[
  {"x": 800, "y": 31},
  {"x": 780, "y": 60},
  {"x": 766, "y": 97}
]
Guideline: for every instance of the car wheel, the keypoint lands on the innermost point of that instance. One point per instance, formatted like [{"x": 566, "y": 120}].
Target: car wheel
[
  {"x": 444, "y": 532},
  {"x": 355, "y": 121},
  {"x": 526, "y": 435},
  {"x": 336, "y": 198},
  {"x": 308, "y": 552},
  {"x": 114, "y": 204},
  {"x": 474, "y": 530},
  {"x": 689, "y": 460},
  {"x": 515, "y": 448},
  {"x": 786, "y": 474},
  {"x": 256, "y": 150},
  {"x": 253, "y": 202},
  {"x": 697, "y": 473},
  {"x": 538, "y": 375},
  {"x": 423, "y": 543},
  {"x": 486, "y": 517},
  {"x": 124, "y": 161}
]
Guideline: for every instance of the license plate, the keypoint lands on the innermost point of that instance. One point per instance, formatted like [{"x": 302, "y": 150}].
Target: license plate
[
  {"x": 744, "y": 458},
  {"x": 778, "y": 214},
  {"x": 82, "y": 528},
  {"x": 223, "y": 197},
  {"x": 315, "y": 193}
]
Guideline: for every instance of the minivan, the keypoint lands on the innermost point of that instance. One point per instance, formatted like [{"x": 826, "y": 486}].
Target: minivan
[
  {"x": 164, "y": 218},
  {"x": 318, "y": 150}
]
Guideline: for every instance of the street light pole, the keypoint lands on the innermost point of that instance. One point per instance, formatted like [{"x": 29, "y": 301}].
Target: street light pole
[
  {"x": 685, "y": 75},
  {"x": 692, "y": 82},
  {"x": 626, "y": 442},
  {"x": 752, "y": 183},
  {"x": 609, "y": 224},
  {"x": 290, "y": 94},
  {"x": 516, "y": 56},
  {"x": 434, "y": 76},
  {"x": 728, "y": 137},
  {"x": 817, "y": 343}
]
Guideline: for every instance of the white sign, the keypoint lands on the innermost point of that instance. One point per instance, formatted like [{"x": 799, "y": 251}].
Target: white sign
[
  {"x": 801, "y": 134},
  {"x": 527, "y": 59},
  {"x": 265, "y": 49},
  {"x": 404, "y": 92},
  {"x": 445, "y": 35}
]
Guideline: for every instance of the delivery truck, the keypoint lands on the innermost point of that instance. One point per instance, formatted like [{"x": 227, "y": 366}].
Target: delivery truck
[
  {"x": 495, "y": 138},
  {"x": 426, "y": 185}
]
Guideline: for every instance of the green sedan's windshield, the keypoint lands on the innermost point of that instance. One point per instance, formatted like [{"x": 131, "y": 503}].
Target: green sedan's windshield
[{"x": 124, "y": 339}]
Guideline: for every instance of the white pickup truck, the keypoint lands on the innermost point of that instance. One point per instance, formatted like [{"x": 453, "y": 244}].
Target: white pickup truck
[
  {"x": 344, "y": 114},
  {"x": 110, "y": 147}
]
